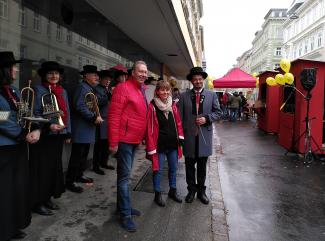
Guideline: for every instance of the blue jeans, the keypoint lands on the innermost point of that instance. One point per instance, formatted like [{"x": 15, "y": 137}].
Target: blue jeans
[
  {"x": 233, "y": 114},
  {"x": 172, "y": 158},
  {"x": 124, "y": 166}
]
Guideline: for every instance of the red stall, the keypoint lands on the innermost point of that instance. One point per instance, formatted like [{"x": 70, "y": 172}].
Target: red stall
[
  {"x": 268, "y": 104},
  {"x": 316, "y": 110}
]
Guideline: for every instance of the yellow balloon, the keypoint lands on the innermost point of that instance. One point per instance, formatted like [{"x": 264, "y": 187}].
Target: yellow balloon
[
  {"x": 285, "y": 65},
  {"x": 210, "y": 84},
  {"x": 279, "y": 78},
  {"x": 289, "y": 78},
  {"x": 270, "y": 81},
  {"x": 254, "y": 74}
]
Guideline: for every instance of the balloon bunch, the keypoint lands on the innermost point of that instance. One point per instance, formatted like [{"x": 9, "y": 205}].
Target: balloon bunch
[
  {"x": 281, "y": 79},
  {"x": 257, "y": 79}
]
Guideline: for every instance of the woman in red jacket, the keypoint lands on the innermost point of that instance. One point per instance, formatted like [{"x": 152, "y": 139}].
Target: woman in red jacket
[{"x": 163, "y": 139}]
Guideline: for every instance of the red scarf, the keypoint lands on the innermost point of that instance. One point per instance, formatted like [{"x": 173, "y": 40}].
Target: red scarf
[
  {"x": 57, "y": 90},
  {"x": 11, "y": 95}
]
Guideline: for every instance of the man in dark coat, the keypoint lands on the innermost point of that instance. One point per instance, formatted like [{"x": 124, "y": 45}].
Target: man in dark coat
[
  {"x": 84, "y": 122},
  {"x": 199, "y": 108}
]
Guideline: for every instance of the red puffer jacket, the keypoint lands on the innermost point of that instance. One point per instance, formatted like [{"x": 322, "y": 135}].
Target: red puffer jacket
[
  {"x": 153, "y": 132},
  {"x": 127, "y": 114}
]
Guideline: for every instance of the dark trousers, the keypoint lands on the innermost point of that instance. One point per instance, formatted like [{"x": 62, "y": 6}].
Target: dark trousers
[
  {"x": 77, "y": 162},
  {"x": 196, "y": 184},
  {"x": 100, "y": 153}
]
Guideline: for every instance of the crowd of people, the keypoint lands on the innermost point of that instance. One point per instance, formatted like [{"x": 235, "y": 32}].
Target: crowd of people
[
  {"x": 234, "y": 106},
  {"x": 110, "y": 109}
]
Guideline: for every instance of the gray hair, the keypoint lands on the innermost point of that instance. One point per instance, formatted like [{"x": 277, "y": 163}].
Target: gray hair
[{"x": 138, "y": 62}]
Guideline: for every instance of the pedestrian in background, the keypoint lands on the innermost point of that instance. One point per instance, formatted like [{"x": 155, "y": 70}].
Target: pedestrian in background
[
  {"x": 163, "y": 139},
  {"x": 101, "y": 153},
  {"x": 234, "y": 104},
  {"x": 127, "y": 123},
  {"x": 47, "y": 179},
  {"x": 199, "y": 108}
]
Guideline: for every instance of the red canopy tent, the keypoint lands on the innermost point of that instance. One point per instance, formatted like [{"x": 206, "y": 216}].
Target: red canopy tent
[{"x": 235, "y": 78}]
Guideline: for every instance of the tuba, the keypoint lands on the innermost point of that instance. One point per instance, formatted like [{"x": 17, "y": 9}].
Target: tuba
[
  {"x": 26, "y": 107},
  {"x": 92, "y": 103},
  {"x": 51, "y": 107}
]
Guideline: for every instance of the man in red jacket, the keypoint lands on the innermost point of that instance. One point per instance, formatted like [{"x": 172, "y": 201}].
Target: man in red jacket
[{"x": 127, "y": 122}]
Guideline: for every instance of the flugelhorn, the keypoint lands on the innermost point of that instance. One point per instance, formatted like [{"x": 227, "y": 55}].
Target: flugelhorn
[
  {"x": 51, "y": 107},
  {"x": 92, "y": 103},
  {"x": 26, "y": 106}
]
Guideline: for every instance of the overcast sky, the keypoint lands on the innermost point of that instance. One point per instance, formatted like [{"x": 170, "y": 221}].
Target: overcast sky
[{"x": 229, "y": 28}]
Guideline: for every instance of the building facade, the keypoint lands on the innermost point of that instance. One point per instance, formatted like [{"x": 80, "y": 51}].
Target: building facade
[
  {"x": 244, "y": 61},
  {"x": 103, "y": 33},
  {"x": 304, "y": 30},
  {"x": 266, "y": 51}
]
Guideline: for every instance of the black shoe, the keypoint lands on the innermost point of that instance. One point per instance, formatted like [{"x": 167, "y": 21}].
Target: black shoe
[
  {"x": 110, "y": 167},
  {"x": 173, "y": 195},
  {"x": 98, "y": 171},
  {"x": 190, "y": 196},
  {"x": 128, "y": 224},
  {"x": 73, "y": 187},
  {"x": 51, "y": 205},
  {"x": 158, "y": 199},
  {"x": 203, "y": 197},
  {"x": 19, "y": 235},
  {"x": 42, "y": 210},
  {"x": 84, "y": 179}
]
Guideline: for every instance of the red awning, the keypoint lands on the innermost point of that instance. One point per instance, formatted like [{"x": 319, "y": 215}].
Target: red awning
[{"x": 235, "y": 78}]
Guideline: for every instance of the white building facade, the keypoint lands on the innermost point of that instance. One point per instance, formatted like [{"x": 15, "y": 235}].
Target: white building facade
[
  {"x": 266, "y": 51},
  {"x": 304, "y": 34}
]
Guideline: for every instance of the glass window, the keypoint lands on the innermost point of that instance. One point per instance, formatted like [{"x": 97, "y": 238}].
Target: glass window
[
  {"x": 4, "y": 8},
  {"x": 300, "y": 50},
  {"x": 58, "y": 32},
  {"x": 319, "y": 40},
  {"x": 312, "y": 41},
  {"x": 37, "y": 22},
  {"x": 21, "y": 16},
  {"x": 23, "y": 51},
  {"x": 278, "y": 51},
  {"x": 69, "y": 37},
  {"x": 48, "y": 28}
]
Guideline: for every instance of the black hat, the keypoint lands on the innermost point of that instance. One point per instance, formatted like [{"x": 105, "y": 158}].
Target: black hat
[
  {"x": 106, "y": 73},
  {"x": 196, "y": 71},
  {"x": 49, "y": 66},
  {"x": 89, "y": 69},
  {"x": 7, "y": 58}
]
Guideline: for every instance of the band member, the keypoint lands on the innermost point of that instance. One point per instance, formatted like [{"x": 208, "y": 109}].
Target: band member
[
  {"x": 14, "y": 168},
  {"x": 101, "y": 146},
  {"x": 163, "y": 139},
  {"x": 84, "y": 121},
  {"x": 199, "y": 108},
  {"x": 51, "y": 101}
]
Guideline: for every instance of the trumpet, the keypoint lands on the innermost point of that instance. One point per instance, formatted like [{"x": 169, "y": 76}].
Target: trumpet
[
  {"x": 26, "y": 106},
  {"x": 92, "y": 103},
  {"x": 51, "y": 107}
]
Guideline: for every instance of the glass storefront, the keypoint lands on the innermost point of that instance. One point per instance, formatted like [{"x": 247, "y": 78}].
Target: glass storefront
[{"x": 70, "y": 32}]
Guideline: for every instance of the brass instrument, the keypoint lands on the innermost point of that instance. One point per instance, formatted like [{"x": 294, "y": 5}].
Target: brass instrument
[
  {"x": 92, "y": 103},
  {"x": 51, "y": 107},
  {"x": 26, "y": 106}
]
